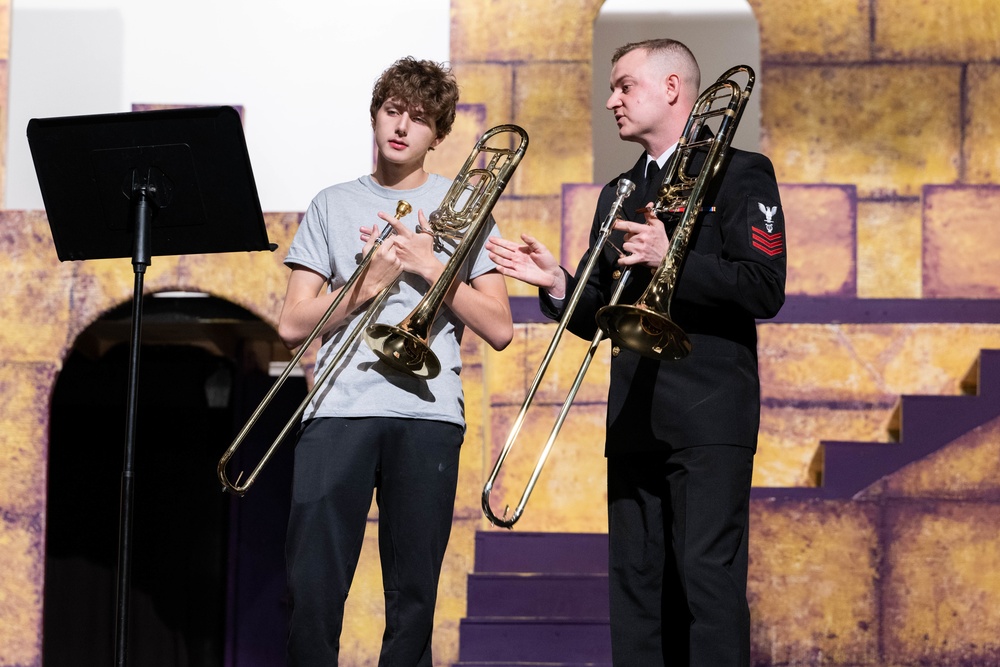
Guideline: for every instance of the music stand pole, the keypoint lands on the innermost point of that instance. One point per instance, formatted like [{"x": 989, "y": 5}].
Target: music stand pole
[{"x": 146, "y": 195}]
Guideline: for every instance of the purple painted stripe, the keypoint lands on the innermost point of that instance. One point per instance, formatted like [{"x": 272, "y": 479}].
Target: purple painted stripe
[
  {"x": 825, "y": 310},
  {"x": 840, "y": 310},
  {"x": 525, "y": 310},
  {"x": 807, "y": 404}
]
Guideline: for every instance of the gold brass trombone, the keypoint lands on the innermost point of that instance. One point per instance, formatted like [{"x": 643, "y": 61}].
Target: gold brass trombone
[
  {"x": 467, "y": 207},
  {"x": 642, "y": 327},
  {"x": 646, "y": 327},
  {"x": 402, "y": 208}
]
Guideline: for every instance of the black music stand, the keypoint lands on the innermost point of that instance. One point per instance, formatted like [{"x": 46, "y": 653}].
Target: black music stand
[{"x": 164, "y": 182}]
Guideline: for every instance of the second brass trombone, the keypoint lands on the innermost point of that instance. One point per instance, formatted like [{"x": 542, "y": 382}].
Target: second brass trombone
[{"x": 644, "y": 327}]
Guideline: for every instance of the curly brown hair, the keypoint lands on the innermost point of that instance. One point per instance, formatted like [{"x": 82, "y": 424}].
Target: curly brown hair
[{"x": 419, "y": 84}]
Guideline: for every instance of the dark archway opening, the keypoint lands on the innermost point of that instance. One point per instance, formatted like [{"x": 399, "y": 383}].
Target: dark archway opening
[{"x": 207, "y": 580}]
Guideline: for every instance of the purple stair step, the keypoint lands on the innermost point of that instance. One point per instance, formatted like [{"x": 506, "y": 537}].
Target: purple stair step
[
  {"x": 507, "y": 663},
  {"x": 937, "y": 420},
  {"x": 988, "y": 382},
  {"x": 849, "y": 467},
  {"x": 927, "y": 423},
  {"x": 534, "y": 640},
  {"x": 538, "y": 595},
  {"x": 579, "y": 553}
]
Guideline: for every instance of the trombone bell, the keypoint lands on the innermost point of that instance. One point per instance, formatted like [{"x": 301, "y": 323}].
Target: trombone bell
[
  {"x": 402, "y": 350},
  {"x": 464, "y": 215},
  {"x": 638, "y": 328}
]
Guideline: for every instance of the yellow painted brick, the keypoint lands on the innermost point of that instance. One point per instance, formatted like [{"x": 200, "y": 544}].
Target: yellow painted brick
[
  {"x": 889, "y": 250},
  {"x": 449, "y": 156},
  {"x": 552, "y": 103},
  {"x": 820, "y": 223},
  {"x": 510, "y": 381},
  {"x": 21, "y": 592},
  {"x": 474, "y": 369},
  {"x": 789, "y": 438},
  {"x": 256, "y": 281},
  {"x": 364, "y": 614},
  {"x": 364, "y": 617},
  {"x": 962, "y": 242},
  {"x": 867, "y": 363},
  {"x": 813, "y": 572},
  {"x": 842, "y": 382},
  {"x": 538, "y": 217},
  {"x": 364, "y": 611},
  {"x": 981, "y": 146},
  {"x": 941, "y": 591},
  {"x": 459, "y": 561},
  {"x": 830, "y": 30},
  {"x": 518, "y": 30},
  {"x": 476, "y": 409},
  {"x": 5, "y": 34},
  {"x": 36, "y": 298},
  {"x": 937, "y": 31},
  {"x": 265, "y": 274},
  {"x": 506, "y": 373},
  {"x": 570, "y": 494},
  {"x": 875, "y": 126},
  {"x": 579, "y": 206},
  {"x": 490, "y": 85},
  {"x": 814, "y": 362},
  {"x": 103, "y": 284},
  {"x": 25, "y": 391},
  {"x": 4, "y": 90},
  {"x": 928, "y": 358},
  {"x": 965, "y": 468},
  {"x": 564, "y": 366}
]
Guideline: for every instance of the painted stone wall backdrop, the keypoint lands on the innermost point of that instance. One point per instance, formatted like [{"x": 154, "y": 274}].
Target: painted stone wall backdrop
[
  {"x": 880, "y": 119},
  {"x": 889, "y": 96}
]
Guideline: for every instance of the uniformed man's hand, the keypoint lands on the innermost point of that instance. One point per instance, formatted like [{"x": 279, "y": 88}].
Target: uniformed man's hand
[{"x": 645, "y": 243}]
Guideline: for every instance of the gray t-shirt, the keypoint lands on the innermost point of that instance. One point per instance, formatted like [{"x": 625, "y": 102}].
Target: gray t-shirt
[{"x": 328, "y": 242}]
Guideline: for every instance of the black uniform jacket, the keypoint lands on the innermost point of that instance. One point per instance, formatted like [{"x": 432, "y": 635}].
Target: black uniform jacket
[{"x": 733, "y": 273}]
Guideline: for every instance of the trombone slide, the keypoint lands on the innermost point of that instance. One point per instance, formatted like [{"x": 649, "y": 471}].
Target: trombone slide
[
  {"x": 624, "y": 189},
  {"x": 402, "y": 208}
]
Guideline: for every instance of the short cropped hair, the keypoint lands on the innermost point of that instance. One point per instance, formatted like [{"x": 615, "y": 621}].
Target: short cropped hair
[
  {"x": 419, "y": 84},
  {"x": 679, "y": 56}
]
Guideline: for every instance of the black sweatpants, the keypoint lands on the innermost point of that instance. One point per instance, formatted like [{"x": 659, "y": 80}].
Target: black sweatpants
[{"x": 413, "y": 466}]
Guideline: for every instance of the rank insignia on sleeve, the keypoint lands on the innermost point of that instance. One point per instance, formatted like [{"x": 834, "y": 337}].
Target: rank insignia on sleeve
[{"x": 767, "y": 228}]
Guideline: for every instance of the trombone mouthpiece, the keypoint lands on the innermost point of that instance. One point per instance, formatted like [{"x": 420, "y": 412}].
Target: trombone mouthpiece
[
  {"x": 402, "y": 208},
  {"x": 625, "y": 187}
]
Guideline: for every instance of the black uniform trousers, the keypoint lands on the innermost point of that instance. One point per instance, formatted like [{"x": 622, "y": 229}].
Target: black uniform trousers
[
  {"x": 678, "y": 556},
  {"x": 413, "y": 466}
]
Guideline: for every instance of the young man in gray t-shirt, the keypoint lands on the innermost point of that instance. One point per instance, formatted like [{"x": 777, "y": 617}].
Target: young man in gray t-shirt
[{"x": 373, "y": 427}]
